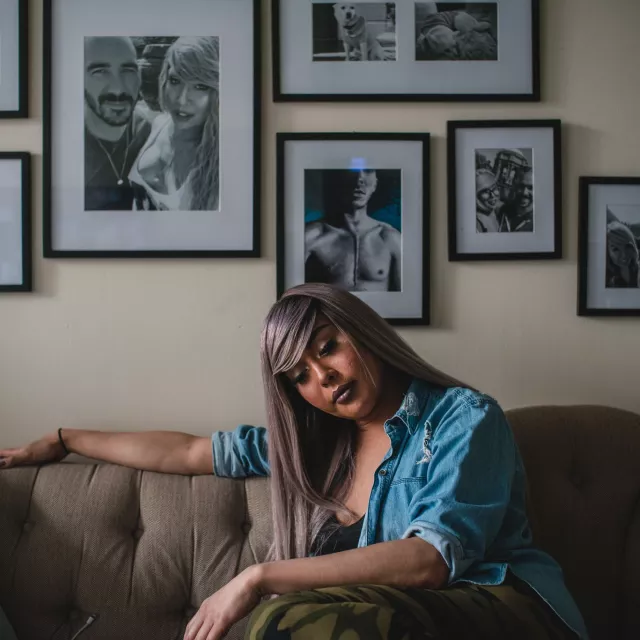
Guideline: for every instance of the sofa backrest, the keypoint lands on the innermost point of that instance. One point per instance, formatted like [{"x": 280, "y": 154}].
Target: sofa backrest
[
  {"x": 145, "y": 549},
  {"x": 583, "y": 468},
  {"x": 141, "y": 549}
]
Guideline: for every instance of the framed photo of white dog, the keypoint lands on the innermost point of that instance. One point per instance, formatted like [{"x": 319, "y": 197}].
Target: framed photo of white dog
[
  {"x": 406, "y": 50},
  {"x": 353, "y": 211}
]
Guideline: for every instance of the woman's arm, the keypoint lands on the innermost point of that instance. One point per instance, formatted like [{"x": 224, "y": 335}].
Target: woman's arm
[
  {"x": 400, "y": 563},
  {"x": 162, "y": 451}
]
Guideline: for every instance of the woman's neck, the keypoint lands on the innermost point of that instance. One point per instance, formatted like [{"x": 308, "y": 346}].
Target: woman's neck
[
  {"x": 394, "y": 387},
  {"x": 190, "y": 137}
]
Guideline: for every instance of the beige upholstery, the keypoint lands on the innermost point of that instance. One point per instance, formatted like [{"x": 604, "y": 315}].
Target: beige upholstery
[{"x": 144, "y": 549}]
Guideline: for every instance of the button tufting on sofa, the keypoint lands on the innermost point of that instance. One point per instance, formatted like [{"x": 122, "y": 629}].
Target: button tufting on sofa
[
  {"x": 137, "y": 533},
  {"x": 246, "y": 527},
  {"x": 27, "y": 526}
]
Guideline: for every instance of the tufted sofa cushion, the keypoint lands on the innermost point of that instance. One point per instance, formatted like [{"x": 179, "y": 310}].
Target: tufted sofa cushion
[
  {"x": 141, "y": 549},
  {"x": 583, "y": 468}
]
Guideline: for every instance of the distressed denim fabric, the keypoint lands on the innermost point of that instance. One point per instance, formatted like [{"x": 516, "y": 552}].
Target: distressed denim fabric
[{"x": 454, "y": 477}]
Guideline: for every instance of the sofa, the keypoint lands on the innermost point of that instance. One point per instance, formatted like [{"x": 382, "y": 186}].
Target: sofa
[{"x": 143, "y": 550}]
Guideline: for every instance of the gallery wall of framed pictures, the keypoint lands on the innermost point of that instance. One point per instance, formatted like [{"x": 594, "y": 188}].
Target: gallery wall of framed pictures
[{"x": 152, "y": 145}]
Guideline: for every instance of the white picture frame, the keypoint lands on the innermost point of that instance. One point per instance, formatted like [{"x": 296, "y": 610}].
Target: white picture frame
[
  {"x": 15, "y": 222},
  {"x": 145, "y": 189},
  {"x": 313, "y": 169}
]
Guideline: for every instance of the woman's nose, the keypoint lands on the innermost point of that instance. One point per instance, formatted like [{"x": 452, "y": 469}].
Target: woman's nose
[{"x": 183, "y": 96}]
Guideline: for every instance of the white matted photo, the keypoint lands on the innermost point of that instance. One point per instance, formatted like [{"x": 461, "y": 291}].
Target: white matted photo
[
  {"x": 505, "y": 189},
  {"x": 353, "y": 211},
  {"x": 609, "y": 244},
  {"x": 151, "y": 128},
  {"x": 14, "y": 64},
  {"x": 15, "y": 222},
  {"x": 406, "y": 50}
]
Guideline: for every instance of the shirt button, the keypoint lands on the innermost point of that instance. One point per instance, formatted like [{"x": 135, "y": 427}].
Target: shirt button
[{"x": 383, "y": 472}]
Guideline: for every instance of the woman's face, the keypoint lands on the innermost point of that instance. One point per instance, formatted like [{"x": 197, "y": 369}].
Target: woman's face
[
  {"x": 331, "y": 377},
  {"x": 188, "y": 103}
]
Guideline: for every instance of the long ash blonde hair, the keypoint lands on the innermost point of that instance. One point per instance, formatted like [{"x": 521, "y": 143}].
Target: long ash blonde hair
[{"x": 311, "y": 453}]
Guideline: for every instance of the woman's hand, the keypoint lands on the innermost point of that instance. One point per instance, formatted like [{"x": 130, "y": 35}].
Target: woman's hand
[
  {"x": 47, "y": 449},
  {"x": 225, "y": 607}
]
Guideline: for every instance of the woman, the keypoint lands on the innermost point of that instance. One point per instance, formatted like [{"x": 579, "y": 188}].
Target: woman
[
  {"x": 177, "y": 168},
  {"x": 367, "y": 444}
]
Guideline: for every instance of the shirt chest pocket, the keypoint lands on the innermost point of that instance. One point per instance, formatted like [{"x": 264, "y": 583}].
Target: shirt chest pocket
[{"x": 397, "y": 516}]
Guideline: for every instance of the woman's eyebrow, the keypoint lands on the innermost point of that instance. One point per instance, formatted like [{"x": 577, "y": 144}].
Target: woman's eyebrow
[{"x": 315, "y": 332}]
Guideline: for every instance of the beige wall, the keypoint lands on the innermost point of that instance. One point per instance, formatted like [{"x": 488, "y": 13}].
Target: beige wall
[{"x": 174, "y": 344}]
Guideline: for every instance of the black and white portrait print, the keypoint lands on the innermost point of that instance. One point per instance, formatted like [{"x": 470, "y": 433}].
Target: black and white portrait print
[
  {"x": 353, "y": 228},
  {"x": 456, "y": 31},
  {"x": 504, "y": 190},
  {"x": 623, "y": 247},
  {"x": 151, "y": 123},
  {"x": 362, "y": 31}
]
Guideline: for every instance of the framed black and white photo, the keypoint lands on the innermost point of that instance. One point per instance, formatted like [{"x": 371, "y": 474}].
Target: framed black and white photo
[
  {"x": 406, "y": 50},
  {"x": 151, "y": 128},
  {"x": 15, "y": 222},
  {"x": 609, "y": 247},
  {"x": 505, "y": 189},
  {"x": 353, "y": 210},
  {"x": 14, "y": 63}
]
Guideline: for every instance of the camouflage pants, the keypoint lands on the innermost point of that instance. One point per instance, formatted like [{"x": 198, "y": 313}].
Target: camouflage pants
[{"x": 510, "y": 611}]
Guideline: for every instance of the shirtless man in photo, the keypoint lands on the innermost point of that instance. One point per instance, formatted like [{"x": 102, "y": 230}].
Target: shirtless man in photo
[{"x": 351, "y": 249}]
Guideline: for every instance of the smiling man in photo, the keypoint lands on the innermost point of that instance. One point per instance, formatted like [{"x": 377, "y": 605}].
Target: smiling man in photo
[{"x": 114, "y": 130}]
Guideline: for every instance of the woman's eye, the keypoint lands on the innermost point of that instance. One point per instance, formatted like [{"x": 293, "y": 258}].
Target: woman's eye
[
  {"x": 174, "y": 81},
  {"x": 202, "y": 87},
  {"x": 300, "y": 378},
  {"x": 328, "y": 347}
]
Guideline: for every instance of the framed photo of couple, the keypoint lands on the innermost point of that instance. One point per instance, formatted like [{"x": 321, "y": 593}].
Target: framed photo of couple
[
  {"x": 505, "y": 189},
  {"x": 353, "y": 210},
  {"x": 406, "y": 50},
  {"x": 151, "y": 128}
]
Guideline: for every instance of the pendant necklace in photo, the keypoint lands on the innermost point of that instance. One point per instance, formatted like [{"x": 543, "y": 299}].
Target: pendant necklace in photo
[{"x": 119, "y": 178}]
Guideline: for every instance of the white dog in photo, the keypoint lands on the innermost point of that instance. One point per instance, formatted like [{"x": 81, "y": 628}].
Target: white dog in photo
[{"x": 355, "y": 34}]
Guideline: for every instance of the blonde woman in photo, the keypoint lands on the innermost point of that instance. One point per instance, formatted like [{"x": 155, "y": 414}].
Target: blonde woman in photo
[{"x": 178, "y": 167}]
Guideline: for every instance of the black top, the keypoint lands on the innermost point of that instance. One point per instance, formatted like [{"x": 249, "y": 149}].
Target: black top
[{"x": 342, "y": 539}]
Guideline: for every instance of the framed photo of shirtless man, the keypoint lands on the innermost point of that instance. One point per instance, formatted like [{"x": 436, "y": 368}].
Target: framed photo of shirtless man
[
  {"x": 14, "y": 63},
  {"x": 151, "y": 128},
  {"x": 353, "y": 210},
  {"x": 406, "y": 50},
  {"x": 505, "y": 190},
  {"x": 609, "y": 247}
]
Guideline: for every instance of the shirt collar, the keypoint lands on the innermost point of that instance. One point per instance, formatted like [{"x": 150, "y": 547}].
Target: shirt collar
[{"x": 413, "y": 405}]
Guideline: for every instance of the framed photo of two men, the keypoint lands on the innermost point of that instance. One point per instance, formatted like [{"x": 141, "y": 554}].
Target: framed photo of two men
[
  {"x": 151, "y": 128},
  {"x": 406, "y": 50},
  {"x": 505, "y": 189},
  {"x": 353, "y": 211}
]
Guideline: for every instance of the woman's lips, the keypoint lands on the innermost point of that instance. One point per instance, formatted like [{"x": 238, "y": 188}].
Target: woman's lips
[{"x": 344, "y": 393}]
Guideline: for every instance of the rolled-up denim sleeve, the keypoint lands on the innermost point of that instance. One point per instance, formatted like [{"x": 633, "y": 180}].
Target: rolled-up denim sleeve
[
  {"x": 240, "y": 453},
  {"x": 463, "y": 504}
]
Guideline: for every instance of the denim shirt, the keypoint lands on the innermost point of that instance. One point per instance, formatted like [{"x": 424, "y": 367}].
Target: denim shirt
[{"x": 454, "y": 477}]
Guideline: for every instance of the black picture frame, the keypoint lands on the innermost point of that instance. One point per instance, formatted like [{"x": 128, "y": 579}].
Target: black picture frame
[
  {"x": 26, "y": 223},
  {"x": 584, "y": 242},
  {"x": 454, "y": 206},
  {"x": 23, "y": 65},
  {"x": 50, "y": 251},
  {"x": 423, "y": 317},
  {"x": 279, "y": 95}
]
